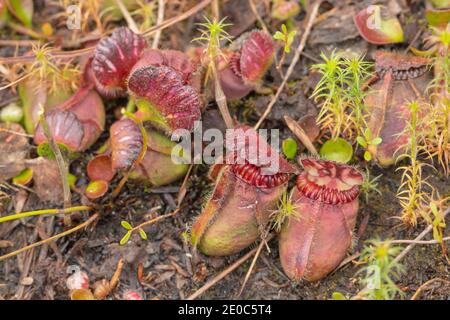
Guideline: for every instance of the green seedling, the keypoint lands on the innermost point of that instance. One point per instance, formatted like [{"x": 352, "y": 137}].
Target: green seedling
[
  {"x": 341, "y": 95},
  {"x": 381, "y": 270},
  {"x": 368, "y": 142},
  {"x": 286, "y": 38},
  {"x": 370, "y": 185}
]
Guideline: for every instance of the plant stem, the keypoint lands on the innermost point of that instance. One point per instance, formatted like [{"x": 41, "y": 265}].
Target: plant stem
[
  {"x": 59, "y": 235},
  {"x": 62, "y": 166},
  {"x": 221, "y": 100},
  {"x": 44, "y": 211},
  {"x": 156, "y": 219}
]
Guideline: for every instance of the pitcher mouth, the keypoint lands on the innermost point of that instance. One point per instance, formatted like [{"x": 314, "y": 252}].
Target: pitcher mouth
[
  {"x": 329, "y": 182},
  {"x": 252, "y": 175},
  {"x": 324, "y": 194}
]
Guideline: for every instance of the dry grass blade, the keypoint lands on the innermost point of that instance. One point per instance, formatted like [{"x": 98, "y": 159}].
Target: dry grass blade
[
  {"x": 295, "y": 127},
  {"x": 160, "y": 19},
  {"x": 178, "y": 18},
  {"x": 55, "y": 237}
]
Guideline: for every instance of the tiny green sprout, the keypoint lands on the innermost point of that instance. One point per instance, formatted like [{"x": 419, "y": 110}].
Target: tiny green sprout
[
  {"x": 289, "y": 147},
  {"x": 286, "y": 208},
  {"x": 367, "y": 143},
  {"x": 381, "y": 270},
  {"x": 337, "y": 150},
  {"x": 127, "y": 226},
  {"x": 11, "y": 113},
  {"x": 369, "y": 185},
  {"x": 285, "y": 37},
  {"x": 185, "y": 236},
  {"x": 213, "y": 32},
  {"x": 130, "y": 229}
]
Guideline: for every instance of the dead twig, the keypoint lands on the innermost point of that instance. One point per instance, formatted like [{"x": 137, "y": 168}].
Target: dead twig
[
  {"x": 419, "y": 237},
  {"x": 258, "y": 16},
  {"x": 59, "y": 235},
  {"x": 298, "y": 51},
  {"x": 297, "y": 129},
  {"x": 62, "y": 165},
  {"x": 420, "y": 242},
  {"x": 131, "y": 24},
  {"x": 426, "y": 284},
  {"x": 176, "y": 19},
  {"x": 159, "y": 20}
]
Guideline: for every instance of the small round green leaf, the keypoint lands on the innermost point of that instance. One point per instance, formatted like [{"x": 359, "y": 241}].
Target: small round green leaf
[
  {"x": 125, "y": 238},
  {"x": 376, "y": 141},
  {"x": 290, "y": 148},
  {"x": 11, "y": 113},
  {"x": 361, "y": 141},
  {"x": 367, "y": 156},
  {"x": 142, "y": 234},
  {"x": 126, "y": 225},
  {"x": 337, "y": 150}
]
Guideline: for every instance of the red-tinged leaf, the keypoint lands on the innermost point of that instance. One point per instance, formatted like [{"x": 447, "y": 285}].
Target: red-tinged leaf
[
  {"x": 100, "y": 168},
  {"x": 33, "y": 97},
  {"x": 232, "y": 85},
  {"x": 114, "y": 57},
  {"x": 174, "y": 59},
  {"x": 376, "y": 26},
  {"x": 256, "y": 56},
  {"x": 126, "y": 143},
  {"x": 165, "y": 99},
  {"x": 87, "y": 105},
  {"x": 65, "y": 128}
]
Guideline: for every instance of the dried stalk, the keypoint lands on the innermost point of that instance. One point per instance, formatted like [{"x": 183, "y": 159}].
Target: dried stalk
[
  {"x": 62, "y": 166},
  {"x": 160, "y": 19}
]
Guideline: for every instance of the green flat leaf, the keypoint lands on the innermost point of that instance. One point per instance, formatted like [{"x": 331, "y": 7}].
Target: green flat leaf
[
  {"x": 126, "y": 225},
  {"x": 367, "y": 156},
  {"x": 278, "y": 36},
  {"x": 376, "y": 141},
  {"x": 337, "y": 150},
  {"x": 22, "y": 10},
  {"x": 142, "y": 234},
  {"x": 125, "y": 238},
  {"x": 361, "y": 141},
  {"x": 290, "y": 148},
  {"x": 338, "y": 296}
]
